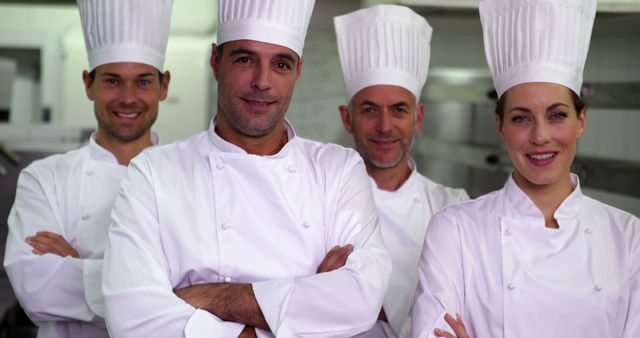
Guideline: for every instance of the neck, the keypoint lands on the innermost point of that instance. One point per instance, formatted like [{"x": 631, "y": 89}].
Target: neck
[
  {"x": 390, "y": 179},
  {"x": 546, "y": 197},
  {"x": 264, "y": 145},
  {"x": 124, "y": 151}
]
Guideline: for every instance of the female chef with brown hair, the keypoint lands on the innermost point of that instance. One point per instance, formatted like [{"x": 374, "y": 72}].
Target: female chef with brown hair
[{"x": 536, "y": 258}]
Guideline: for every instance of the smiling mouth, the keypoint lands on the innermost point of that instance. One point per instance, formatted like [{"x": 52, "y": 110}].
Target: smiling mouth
[
  {"x": 123, "y": 115},
  {"x": 541, "y": 157},
  {"x": 258, "y": 103},
  {"x": 384, "y": 141}
]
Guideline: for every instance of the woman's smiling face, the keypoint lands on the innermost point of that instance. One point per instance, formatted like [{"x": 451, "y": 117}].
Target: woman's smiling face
[{"x": 541, "y": 127}]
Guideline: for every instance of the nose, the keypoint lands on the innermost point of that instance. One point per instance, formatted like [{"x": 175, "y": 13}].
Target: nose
[
  {"x": 127, "y": 94},
  {"x": 541, "y": 133},
  {"x": 384, "y": 121},
  {"x": 261, "y": 78}
]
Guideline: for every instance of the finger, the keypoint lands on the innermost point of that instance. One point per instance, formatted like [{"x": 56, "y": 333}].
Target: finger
[
  {"x": 57, "y": 242},
  {"x": 442, "y": 333},
  {"x": 459, "y": 318},
  {"x": 456, "y": 325},
  {"x": 37, "y": 252},
  {"x": 49, "y": 234},
  {"x": 341, "y": 260},
  {"x": 49, "y": 245},
  {"x": 44, "y": 248},
  {"x": 333, "y": 255},
  {"x": 339, "y": 257}
]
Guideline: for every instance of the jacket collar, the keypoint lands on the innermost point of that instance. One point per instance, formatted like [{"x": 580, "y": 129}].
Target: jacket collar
[
  {"x": 222, "y": 145},
  {"x": 518, "y": 205},
  {"x": 100, "y": 154}
]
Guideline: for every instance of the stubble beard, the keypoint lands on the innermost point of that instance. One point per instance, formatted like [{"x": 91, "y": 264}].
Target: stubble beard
[
  {"x": 371, "y": 161},
  {"x": 126, "y": 133},
  {"x": 249, "y": 123}
]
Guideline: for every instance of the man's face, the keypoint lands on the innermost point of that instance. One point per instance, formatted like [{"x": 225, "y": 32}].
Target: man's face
[
  {"x": 383, "y": 120},
  {"x": 125, "y": 97},
  {"x": 255, "y": 84}
]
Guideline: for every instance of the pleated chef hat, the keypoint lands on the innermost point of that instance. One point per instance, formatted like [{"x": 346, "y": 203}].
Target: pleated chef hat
[
  {"x": 537, "y": 41},
  {"x": 126, "y": 30},
  {"x": 279, "y": 22},
  {"x": 383, "y": 45}
]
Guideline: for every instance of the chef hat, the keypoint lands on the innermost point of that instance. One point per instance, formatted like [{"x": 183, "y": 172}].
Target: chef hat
[
  {"x": 125, "y": 30},
  {"x": 536, "y": 40},
  {"x": 383, "y": 45},
  {"x": 279, "y": 22}
]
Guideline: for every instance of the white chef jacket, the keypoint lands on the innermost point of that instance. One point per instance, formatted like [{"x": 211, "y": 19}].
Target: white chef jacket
[
  {"x": 404, "y": 216},
  {"x": 493, "y": 261},
  {"x": 72, "y": 195},
  {"x": 204, "y": 211}
]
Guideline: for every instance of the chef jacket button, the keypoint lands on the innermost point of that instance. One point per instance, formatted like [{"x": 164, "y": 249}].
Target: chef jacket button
[
  {"x": 84, "y": 217},
  {"x": 227, "y": 279},
  {"x": 292, "y": 169},
  {"x": 220, "y": 166},
  {"x": 90, "y": 172},
  {"x": 587, "y": 231},
  {"x": 598, "y": 288},
  {"x": 225, "y": 225},
  {"x": 306, "y": 225},
  {"x": 508, "y": 232},
  {"x": 416, "y": 200},
  {"x": 511, "y": 286}
]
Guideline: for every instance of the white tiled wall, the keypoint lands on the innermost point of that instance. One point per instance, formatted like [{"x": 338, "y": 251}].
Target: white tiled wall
[{"x": 611, "y": 134}]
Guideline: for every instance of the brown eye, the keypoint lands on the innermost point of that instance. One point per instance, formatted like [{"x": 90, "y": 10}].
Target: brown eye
[
  {"x": 559, "y": 116},
  {"x": 283, "y": 66},
  {"x": 518, "y": 119}
]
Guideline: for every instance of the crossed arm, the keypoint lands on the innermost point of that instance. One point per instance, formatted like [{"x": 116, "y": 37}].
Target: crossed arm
[{"x": 237, "y": 302}]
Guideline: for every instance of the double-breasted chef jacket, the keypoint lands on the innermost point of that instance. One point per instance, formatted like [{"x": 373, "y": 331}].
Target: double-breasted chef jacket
[
  {"x": 493, "y": 261},
  {"x": 70, "y": 194},
  {"x": 204, "y": 211}
]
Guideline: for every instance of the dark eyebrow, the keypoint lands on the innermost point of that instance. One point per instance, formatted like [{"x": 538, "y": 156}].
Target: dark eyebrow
[
  {"x": 521, "y": 109},
  {"x": 107, "y": 74},
  {"x": 243, "y": 51},
  {"x": 368, "y": 103},
  {"x": 556, "y": 105},
  {"x": 400, "y": 104},
  {"x": 146, "y": 75},
  {"x": 527, "y": 110},
  {"x": 287, "y": 57}
]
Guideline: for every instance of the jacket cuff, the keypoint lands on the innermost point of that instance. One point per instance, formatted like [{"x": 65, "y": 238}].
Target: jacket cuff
[
  {"x": 273, "y": 298},
  {"x": 204, "y": 324}
]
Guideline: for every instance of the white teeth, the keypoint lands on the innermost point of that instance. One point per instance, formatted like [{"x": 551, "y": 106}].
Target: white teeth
[
  {"x": 127, "y": 116},
  {"x": 542, "y": 157}
]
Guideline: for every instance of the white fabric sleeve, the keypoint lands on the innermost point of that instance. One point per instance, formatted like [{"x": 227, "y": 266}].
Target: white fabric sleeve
[
  {"x": 632, "y": 324},
  {"x": 92, "y": 277},
  {"x": 440, "y": 278},
  {"x": 139, "y": 297},
  {"x": 346, "y": 301},
  {"x": 49, "y": 287}
]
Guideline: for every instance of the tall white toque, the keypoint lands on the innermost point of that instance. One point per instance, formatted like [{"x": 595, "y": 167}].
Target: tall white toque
[
  {"x": 278, "y": 22},
  {"x": 126, "y": 31},
  {"x": 537, "y": 41},
  {"x": 383, "y": 45}
]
